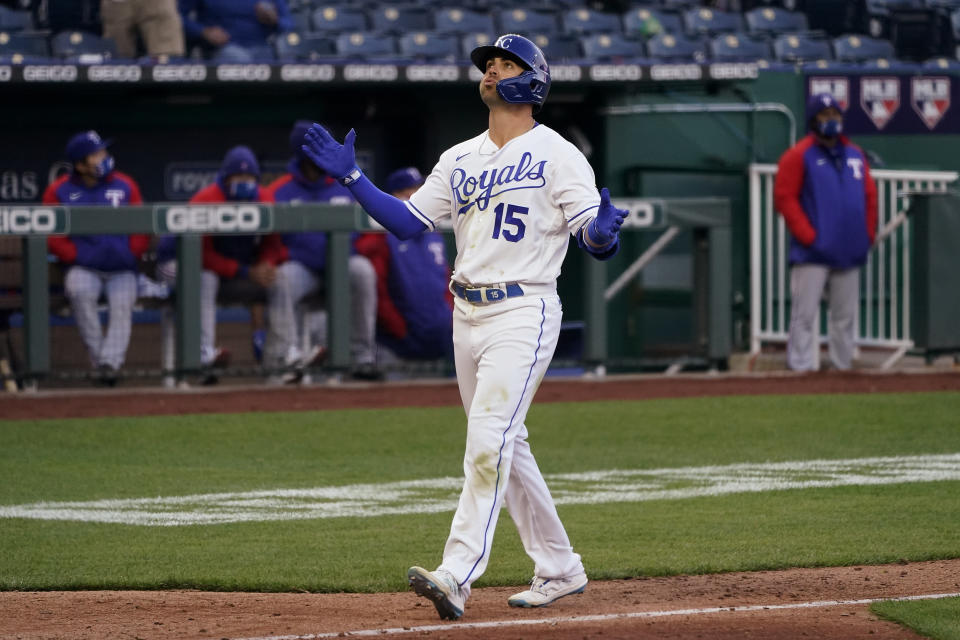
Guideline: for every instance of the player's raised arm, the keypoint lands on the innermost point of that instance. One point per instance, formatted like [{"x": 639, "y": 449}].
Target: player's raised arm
[
  {"x": 601, "y": 236},
  {"x": 339, "y": 161}
]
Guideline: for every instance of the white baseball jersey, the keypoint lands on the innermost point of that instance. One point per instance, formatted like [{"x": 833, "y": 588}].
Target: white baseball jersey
[{"x": 511, "y": 207}]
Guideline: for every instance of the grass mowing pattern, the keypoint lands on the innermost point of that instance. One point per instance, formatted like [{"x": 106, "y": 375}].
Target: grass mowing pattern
[{"x": 934, "y": 619}]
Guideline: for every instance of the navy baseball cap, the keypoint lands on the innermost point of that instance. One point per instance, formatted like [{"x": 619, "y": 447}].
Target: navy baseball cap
[
  {"x": 820, "y": 101},
  {"x": 300, "y": 128},
  {"x": 404, "y": 179},
  {"x": 240, "y": 159},
  {"x": 83, "y": 144}
]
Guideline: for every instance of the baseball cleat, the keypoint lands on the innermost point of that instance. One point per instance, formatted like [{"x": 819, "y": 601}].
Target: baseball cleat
[
  {"x": 543, "y": 591},
  {"x": 441, "y": 587}
]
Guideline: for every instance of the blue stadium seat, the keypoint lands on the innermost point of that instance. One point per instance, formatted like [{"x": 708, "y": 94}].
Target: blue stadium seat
[
  {"x": 913, "y": 27},
  {"x": 649, "y": 21},
  {"x": 559, "y": 47},
  {"x": 893, "y": 64},
  {"x": 739, "y": 47},
  {"x": 433, "y": 47},
  {"x": 856, "y": 48},
  {"x": 582, "y": 21},
  {"x": 523, "y": 21},
  {"x": 604, "y": 47},
  {"x": 12, "y": 20},
  {"x": 764, "y": 21},
  {"x": 462, "y": 21},
  {"x": 670, "y": 47},
  {"x": 800, "y": 47},
  {"x": 304, "y": 47},
  {"x": 680, "y": 5},
  {"x": 81, "y": 46},
  {"x": 334, "y": 18},
  {"x": 942, "y": 63},
  {"x": 705, "y": 21},
  {"x": 24, "y": 44},
  {"x": 470, "y": 41},
  {"x": 402, "y": 19},
  {"x": 359, "y": 44}
]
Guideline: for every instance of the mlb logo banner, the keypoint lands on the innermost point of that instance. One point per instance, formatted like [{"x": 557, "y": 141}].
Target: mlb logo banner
[
  {"x": 880, "y": 99},
  {"x": 930, "y": 98},
  {"x": 838, "y": 87}
]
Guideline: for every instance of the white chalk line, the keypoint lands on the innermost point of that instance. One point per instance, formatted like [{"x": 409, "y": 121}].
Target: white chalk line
[
  {"x": 437, "y": 495},
  {"x": 496, "y": 624}
]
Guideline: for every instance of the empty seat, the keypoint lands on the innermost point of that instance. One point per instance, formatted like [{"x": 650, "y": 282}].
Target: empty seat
[
  {"x": 889, "y": 63},
  {"x": 462, "y": 21},
  {"x": 24, "y": 44},
  {"x": 304, "y": 47},
  {"x": 302, "y": 19},
  {"x": 523, "y": 21},
  {"x": 401, "y": 19},
  {"x": 470, "y": 41},
  {"x": 648, "y": 22},
  {"x": 739, "y": 47},
  {"x": 602, "y": 46},
  {"x": 12, "y": 20},
  {"x": 913, "y": 27},
  {"x": 429, "y": 46},
  {"x": 670, "y": 47},
  {"x": 582, "y": 21},
  {"x": 942, "y": 63},
  {"x": 81, "y": 46},
  {"x": 366, "y": 45},
  {"x": 800, "y": 47},
  {"x": 558, "y": 47},
  {"x": 705, "y": 21},
  {"x": 855, "y": 48},
  {"x": 334, "y": 18},
  {"x": 764, "y": 21}
]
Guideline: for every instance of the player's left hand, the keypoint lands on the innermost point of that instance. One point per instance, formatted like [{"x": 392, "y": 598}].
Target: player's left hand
[
  {"x": 608, "y": 221},
  {"x": 338, "y": 160}
]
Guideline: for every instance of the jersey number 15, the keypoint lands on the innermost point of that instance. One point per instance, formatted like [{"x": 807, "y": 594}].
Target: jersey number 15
[{"x": 511, "y": 220}]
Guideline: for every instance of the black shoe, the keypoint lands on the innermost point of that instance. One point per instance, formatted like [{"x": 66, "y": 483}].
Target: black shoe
[
  {"x": 106, "y": 376},
  {"x": 367, "y": 372}
]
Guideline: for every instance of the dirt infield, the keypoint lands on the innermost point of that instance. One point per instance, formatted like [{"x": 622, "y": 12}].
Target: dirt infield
[{"x": 798, "y": 603}]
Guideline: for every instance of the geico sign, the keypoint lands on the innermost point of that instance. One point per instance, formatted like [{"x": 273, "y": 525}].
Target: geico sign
[
  {"x": 23, "y": 220},
  {"x": 49, "y": 73},
  {"x": 114, "y": 73},
  {"x": 245, "y": 218},
  {"x": 243, "y": 72}
]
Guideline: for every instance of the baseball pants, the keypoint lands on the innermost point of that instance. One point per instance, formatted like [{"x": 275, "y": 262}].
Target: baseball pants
[
  {"x": 294, "y": 282},
  {"x": 158, "y": 22},
  {"x": 209, "y": 285},
  {"x": 83, "y": 287},
  {"x": 807, "y": 283},
  {"x": 502, "y": 351}
]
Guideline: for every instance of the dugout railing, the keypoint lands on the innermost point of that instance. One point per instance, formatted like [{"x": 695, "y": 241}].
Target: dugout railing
[{"x": 885, "y": 281}]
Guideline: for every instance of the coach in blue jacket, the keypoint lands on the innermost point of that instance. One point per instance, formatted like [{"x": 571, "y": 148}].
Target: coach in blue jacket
[{"x": 235, "y": 30}]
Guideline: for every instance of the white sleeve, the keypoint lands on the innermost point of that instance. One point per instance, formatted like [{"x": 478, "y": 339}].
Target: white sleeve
[
  {"x": 575, "y": 191},
  {"x": 431, "y": 202}
]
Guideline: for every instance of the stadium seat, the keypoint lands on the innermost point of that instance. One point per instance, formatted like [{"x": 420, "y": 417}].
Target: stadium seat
[
  {"x": 12, "y": 20},
  {"x": 649, "y": 21},
  {"x": 522, "y": 21},
  {"x": 559, "y": 47},
  {"x": 434, "y": 47},
  {"x": 705, "y": 21},
  {"x": 366, "y": 45},
  {"x": 680, "y": 5},
  {"x": 856, "y": 48},
  {"x": 913, "y": 27},
  {"x": 889, "y": 63},
  {"x": 604, "y": 47},
  {"x": 401, "y": 19},
  {"x": 81, "y": 46},
  {"x": 942, "y": 63},
  {"x": 462, "y": 21},
  {"x": 24, "y": 44},
  {"x": 800, "y": 47},
  {"x": 471, "y": 41},
  {"x": 669, "y": 47},
  {"x": 583, "y": 21},
  {"x": 771, "y": 21},
  {"x": 304, "y": 47},
  {"x": 739, "y": 47},
  {"x": 332, "y": 18}
]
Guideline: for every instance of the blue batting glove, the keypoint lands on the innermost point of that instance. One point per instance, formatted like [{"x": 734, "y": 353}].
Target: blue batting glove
[
  {"x": 604, "y": 228},
  {"x": 338, "y": 160}
]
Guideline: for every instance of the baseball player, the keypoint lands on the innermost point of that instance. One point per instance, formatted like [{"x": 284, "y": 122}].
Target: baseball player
[
  {"x": 98, "y": 264},
  {"x": 828, "y": 200},
  {"x": 413, "y": 297},
  {"x": 303, "y": 271},
  {"x": 513, "y": 193}
]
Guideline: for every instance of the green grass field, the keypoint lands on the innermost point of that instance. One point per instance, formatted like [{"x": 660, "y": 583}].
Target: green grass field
[{"x": 134, "y": 458}]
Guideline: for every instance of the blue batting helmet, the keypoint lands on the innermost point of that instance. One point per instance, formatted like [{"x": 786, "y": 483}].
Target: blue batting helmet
[{"x": 531, "y": 86}]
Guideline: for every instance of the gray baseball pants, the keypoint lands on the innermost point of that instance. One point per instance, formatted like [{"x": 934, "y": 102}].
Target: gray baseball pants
[
  {"x": 807, "y": 284},
  {"x": 83, "y": 287}
]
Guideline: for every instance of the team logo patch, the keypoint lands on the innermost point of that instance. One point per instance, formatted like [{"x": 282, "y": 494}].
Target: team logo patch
[
  {"x": 880, "y": 99},
  {"x": 837, "y": 87},
  {"x": 930, "y": 98}
]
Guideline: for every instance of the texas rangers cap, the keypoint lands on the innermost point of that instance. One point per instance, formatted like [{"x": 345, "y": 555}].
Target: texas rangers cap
[
  {"x": 404, "y": 179},
  {"x": 83, "y": 144},
  {"x": 240, "y": 159},
  {"x": 820, "y": 101}
]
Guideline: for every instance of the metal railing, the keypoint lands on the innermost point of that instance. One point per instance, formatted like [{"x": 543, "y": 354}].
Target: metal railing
[{"x": 884, "y": 310}]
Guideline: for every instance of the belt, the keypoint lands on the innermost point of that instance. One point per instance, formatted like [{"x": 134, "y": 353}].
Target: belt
[{"x": 483, "y": 295}]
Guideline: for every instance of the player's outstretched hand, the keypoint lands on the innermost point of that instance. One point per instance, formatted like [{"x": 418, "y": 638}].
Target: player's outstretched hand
[
  {"x": 609, "y": 219},
  {"x": 336, "y": 159}
]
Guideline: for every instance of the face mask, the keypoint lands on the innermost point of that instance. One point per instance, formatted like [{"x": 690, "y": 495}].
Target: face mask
[
  {"x": 830, "y": 128},
  {"x": 243, "y": 190},
  {"x": 104, "y": 167}
]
